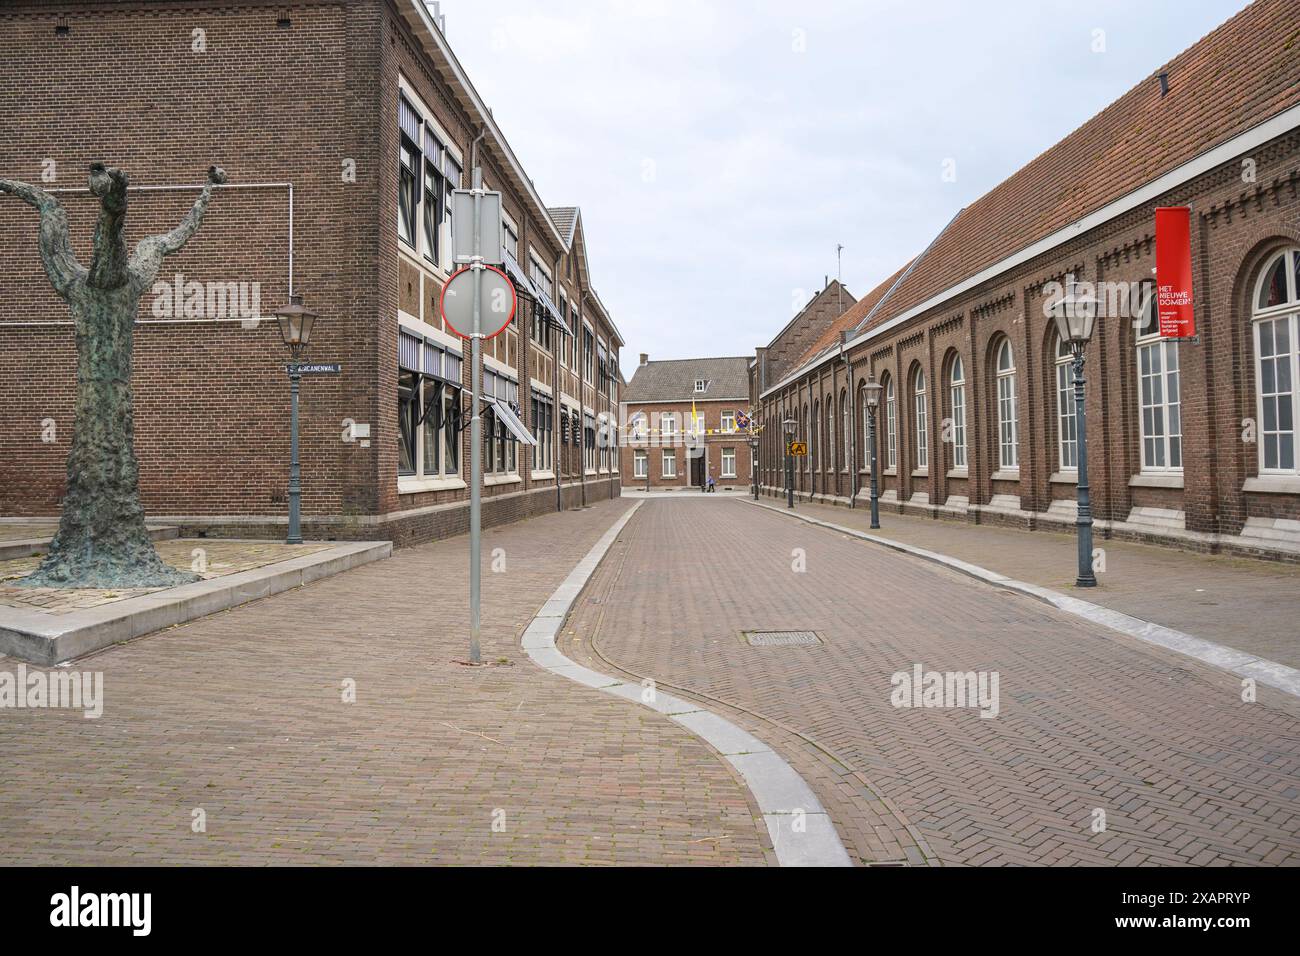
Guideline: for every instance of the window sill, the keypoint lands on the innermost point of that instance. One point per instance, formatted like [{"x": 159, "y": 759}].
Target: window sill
[
  {"x": 1007, "y": 475},
  {"x": 541, "y": 475},
  {"x": 1273, "y": 484},
  {"x": 958, "y": 472},
  {"x": 1066, "y": 478},
  {"x": 501, "y": 480},
  {"x": 1153, "y": 480},
  {"x": 591, "y": 472},
  {"x": 410, "y": 484},
  {"x": 728, "y": 478},
  {"x": 921, "y": 473},
  {"x": 890, "y": 472}
]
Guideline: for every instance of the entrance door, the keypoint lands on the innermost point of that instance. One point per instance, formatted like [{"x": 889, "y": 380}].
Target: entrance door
[{"x": 697, "y": 470}]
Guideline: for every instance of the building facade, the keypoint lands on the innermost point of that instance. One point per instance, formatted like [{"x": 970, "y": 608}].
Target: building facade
[
  {"x": 684, "y": 421},
  {"x": 1191, "y": 443},
  {"x": 343, "y": 128}
]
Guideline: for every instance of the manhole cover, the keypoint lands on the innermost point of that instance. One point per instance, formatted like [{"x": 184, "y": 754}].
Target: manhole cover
[{"x": 782, "y": 638}]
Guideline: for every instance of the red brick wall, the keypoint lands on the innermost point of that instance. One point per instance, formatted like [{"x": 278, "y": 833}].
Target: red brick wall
[
  {"x": 712, "y": 445},
  {"x": 1235, "y": 226}
]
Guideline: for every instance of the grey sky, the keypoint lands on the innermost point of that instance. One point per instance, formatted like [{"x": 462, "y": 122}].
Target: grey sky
[{"x": 720, "y": 150}]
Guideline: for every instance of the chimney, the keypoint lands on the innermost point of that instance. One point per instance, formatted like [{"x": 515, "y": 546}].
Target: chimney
[
  {"x": 645, "y": 357},
  {"x": 1164, "y": 84}
]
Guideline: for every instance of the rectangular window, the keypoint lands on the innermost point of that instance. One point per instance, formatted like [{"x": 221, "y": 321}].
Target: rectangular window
[
  {"x": 959, "y": 426},
  {"x": 669, "y": 463},
  {"x": 922, "y": 446},
  {"x": 1008, "y": 440},
  {"x": 1066, "y": 426},
  {"x": 1274, "y": 356},
  {"x": 668, "y": 424},
  {"x": 701, "y": 385},
  {"x": 588, "y": 356},
  {"x": 1161, "y": 412},
  {"x": 640, "y": 464},
  {"x": 408, "y": 412},
  {"x": 728, "y": 463},
  {"x": 891, "y": 427},
  {"x": 728, "y": 422}
]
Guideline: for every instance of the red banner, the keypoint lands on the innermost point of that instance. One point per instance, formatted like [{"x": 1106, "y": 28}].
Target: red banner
[{"x": 1174, "y": 272}]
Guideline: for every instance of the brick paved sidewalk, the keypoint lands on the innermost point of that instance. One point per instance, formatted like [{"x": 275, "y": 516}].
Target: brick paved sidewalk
[
  {"x": 241, "y": 715},
  {"x": 1250, "y": 605},
  {"x": 1089, "y": 720}
]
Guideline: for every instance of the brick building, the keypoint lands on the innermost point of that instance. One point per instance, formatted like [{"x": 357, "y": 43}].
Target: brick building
[
  {"x": 1190, "y": 443},
  {"x": 343, "y": 128},
  {"x": 684, "y": 420}
]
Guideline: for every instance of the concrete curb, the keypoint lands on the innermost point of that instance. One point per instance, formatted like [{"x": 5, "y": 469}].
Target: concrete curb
[
  {"x": 40, "y": 638},
  {"x": 1262, "y": 670},
  {"x": 801, "y": 830},
  {"x": 26, "y": 547}
]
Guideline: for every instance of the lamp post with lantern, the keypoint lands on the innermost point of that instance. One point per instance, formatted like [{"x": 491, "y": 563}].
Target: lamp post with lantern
[
  {"x": 873, "y": 389},
  {"x": 296, "y": 322},
  {"x": 1075, "y": 316}
]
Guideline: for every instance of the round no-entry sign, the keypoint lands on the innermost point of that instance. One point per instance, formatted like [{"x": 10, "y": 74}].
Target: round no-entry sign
[{"x": 497, "y": 302}]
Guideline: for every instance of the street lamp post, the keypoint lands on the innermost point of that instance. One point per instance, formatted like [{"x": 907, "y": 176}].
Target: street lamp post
[
  {"x": 1075, "y": 315},
  {"x": 873, "y": 389},
  {"x": 790, "y": 425},
  {"x": 753, "y": 463},
  {"x": 296, "y": 322}
]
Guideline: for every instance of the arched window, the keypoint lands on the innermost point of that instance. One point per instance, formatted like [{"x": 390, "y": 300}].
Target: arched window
[
  {"x": 1277, "y": 362},
  {"x": 918, "y": 398},
  {"x": 1159, "y": 392},
  {"x": 829, "y": 463},
  {"x": 1067, "y": 439},
  {"x": 957, "y": 396},
  {"x": 866, "y": 427},
  {"x": 846, "y": 435},
  {"x": 815, "y": 446},
  {"x": 1008, "y": 425},
  {"x": 891, "y": 425}
]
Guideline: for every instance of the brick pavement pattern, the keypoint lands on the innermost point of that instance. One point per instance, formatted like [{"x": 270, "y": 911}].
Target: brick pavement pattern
[
  {"x": 241, "y": 714},
  {"x": 1244, "y": 603},
  {"x": 1090, "y": 720}
]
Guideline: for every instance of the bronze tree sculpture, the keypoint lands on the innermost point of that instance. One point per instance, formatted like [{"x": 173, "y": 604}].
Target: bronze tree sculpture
[{"x": 102, "y": 541}]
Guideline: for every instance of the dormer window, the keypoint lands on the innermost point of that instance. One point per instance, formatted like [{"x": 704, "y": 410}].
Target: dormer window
[{"x": 701, "y": 385}]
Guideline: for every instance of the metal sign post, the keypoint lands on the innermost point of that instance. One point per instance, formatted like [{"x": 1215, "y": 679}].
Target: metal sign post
[{"x": 478, "y": 257}]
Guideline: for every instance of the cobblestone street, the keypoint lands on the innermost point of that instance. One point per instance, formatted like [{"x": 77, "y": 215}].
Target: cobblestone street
[
  {"x": 1090, "y": 722},
  {"x": 241, "y": 715}
]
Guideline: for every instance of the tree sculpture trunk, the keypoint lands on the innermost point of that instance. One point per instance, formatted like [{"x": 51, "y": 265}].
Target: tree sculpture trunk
[{"x": 102, "y": 541}]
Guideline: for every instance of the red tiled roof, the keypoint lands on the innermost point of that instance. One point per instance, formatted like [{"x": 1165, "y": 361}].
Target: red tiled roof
[
  {"x": 1234, "y": 78},
  {"x": 1237, "y": 76},
  {"x": 847, "y": 321}
]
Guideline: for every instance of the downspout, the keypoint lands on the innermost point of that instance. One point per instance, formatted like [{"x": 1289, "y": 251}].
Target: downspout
[
  {"x": 851, "y": 424},
  {"x": 555, "y": 402}
]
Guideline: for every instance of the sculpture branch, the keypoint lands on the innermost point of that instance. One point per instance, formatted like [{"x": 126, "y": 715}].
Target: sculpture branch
[
  {"x": 108, "y": 261},
  {"x": 61, "y": 264},
  {"x": 150, "y": 252}
]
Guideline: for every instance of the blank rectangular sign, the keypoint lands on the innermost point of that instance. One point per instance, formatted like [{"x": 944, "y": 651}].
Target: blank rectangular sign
[{"x": 462, "y": 218}]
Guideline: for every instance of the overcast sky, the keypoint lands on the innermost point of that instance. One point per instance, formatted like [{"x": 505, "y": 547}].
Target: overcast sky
[{"x": 720, "y": 150}]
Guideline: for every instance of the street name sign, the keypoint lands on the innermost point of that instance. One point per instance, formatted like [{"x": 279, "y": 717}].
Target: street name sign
[{"x": 314, "y": 368}]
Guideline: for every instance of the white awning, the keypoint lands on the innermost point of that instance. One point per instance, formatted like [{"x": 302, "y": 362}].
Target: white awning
[{"x": 511, "y": 420}]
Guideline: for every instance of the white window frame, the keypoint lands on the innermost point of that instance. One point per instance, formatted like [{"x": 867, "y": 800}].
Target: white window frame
[
  {"x": 891, "y": 426},
  {"x": 640, "y": 463},
  {"x": 845, "y": 424},
  {"x": 668, "y": 463},
  {"x": 728, "y": 422},
  {"x": 1008, "y": 413},
  {"x": 701, "y": 385},
  {"x": 1157, "y": 363},
  {"x": 1067, "y": 438},
  {"x": 957, "y": 397},
  {"x": 920, "y": 406},
  {"x": 728, "y": 471},
  {"x": 1286, "y": 317}
]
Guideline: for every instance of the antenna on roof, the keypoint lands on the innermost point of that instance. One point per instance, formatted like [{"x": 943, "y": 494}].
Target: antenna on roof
[
  {"x": 839, "y": 278},
  {"x": 435, "y": 11}
]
